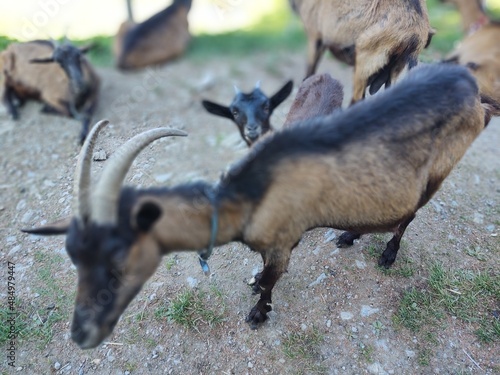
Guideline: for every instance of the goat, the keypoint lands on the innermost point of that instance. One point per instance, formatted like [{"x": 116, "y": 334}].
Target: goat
[
  {"x": 56, "y": 74},
  {"x": 252, "y": 111},
  {"x": 378, "y": 37},
  {"x": 161, "y": 38},
  {"x": 365, "y": 169},
  {"x": 318, "y": 95},
  {"x": 479, "y": 50}
]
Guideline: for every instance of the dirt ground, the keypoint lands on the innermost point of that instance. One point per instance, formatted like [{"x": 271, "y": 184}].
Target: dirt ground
[{"x": 333, "y": 310}]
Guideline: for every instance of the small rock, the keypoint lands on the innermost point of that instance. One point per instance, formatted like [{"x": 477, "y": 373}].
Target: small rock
[
  {"x": 318, "y": 280},
  {"x": 346, "y": 315},
  {"x": 96, "y": 361},
  {"x": 376, "y": 369},
  {"x": 57, "y": 365},
  {"x": 192, "y": 282},
  {"x": 27, "y": 217},
  {"x": 14, "y": 250},
  {"x": 410, "y": 353},
  {"x": 250, "y": 365},
  {"x": 490, "y": 228},
  {"x": 367, "y": 311},
  {"x": 360, "y": 264},
  {"x": 99, "y": 155},
  {"x": 21, "y": 205},
  {"x": 162, "y": 178},
  {"x": 478, "y": 218},
  {"x": 155, "y": 355},
  {"x": 329, "y": 236},
  {"x": 436, "y": 206},
  {"x": 328, "y": 323},
  {"x": 303, "y": 327}
]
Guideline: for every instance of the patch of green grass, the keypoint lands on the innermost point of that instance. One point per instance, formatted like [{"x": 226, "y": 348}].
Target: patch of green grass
[
  {"x": 366, "y": 352},
  {"x": 475, "y": 251},
  {"x": 13, "y": 324},
  {"x": 191, "y": 309},
  {"x": 171, "y": 260},
  {"x": 304, "y": 346},
  {"x": 471, "y": 296}
]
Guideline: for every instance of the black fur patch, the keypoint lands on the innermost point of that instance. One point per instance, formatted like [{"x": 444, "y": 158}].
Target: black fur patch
[{"x": 415, "y": 5}]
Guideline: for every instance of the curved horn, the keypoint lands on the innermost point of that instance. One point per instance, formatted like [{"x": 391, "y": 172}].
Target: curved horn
[
  {"x": 81, "y": 183},
  {"x": 107, "y": 191},
  {"x": 236, "y": 90}
]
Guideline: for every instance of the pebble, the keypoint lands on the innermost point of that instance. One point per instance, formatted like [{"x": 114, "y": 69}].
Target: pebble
[
  {"x": 99, "y": 155},
  {"x": 329, "y": 236},
  {"x": 490, "y": 228},
  {"x": 360, "y": 264},
  {"x": 192, "y": 282},
  {"x": 376, "y": 369},
  {"x": 478, "y": 218},
  {"x": 346, "y": 315},
  {"x": 367, "y": 311},
  {"x": 21, "y": 205},
  {"x": 57, "y": 365},
  {"x": 162, "y": 178},
  {"x": 318, "y": 280},
  {"x": 328, "y": 323},
  {"x": 250, "y": 365}
]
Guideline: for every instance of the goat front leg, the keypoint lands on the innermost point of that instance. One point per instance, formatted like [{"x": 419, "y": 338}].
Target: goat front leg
[
  {"x": 314, "y": 53},
  {"x": 263, "y": 283},
  {"x": 391, "y": 251},
  {"x": 9, "y": 99}
]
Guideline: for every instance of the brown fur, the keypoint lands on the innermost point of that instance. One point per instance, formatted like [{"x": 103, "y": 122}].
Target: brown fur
[
  {"x": 376, "y": 30},
  {"x": 318, "y": 95},
  {"x": 168, "y": 41}
]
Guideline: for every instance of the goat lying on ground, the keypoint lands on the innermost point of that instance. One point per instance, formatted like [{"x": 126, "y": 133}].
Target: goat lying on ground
[
  {"x": 318, "y": 95},
  {"x": 56, "y": 74},
  {"x": 480, "y": 48},
  {"x": 160, "y": 38},
  {"x": 365, "y": 169},
  {"x": 251, "y": 112},
  {"x": 378, "y": 37}
]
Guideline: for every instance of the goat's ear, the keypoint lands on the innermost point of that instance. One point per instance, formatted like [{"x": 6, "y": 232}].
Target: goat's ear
[
  {"x": 57, "y": 227},
  {"x": 146, "y": 215},
  {"x": 217, "y": 109},
  {"x": 42, "y": 61},
  {"x": 281, "y": 95}
]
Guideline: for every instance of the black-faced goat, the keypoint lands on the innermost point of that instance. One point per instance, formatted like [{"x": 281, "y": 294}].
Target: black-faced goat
[
  {"x": 365, "y": 169},
  {"x": 162, "y": 37},
  {"x": 378, "y": 37},
  {"x": 251, "y": 112},
  {"x": 480, "y": 48},
  {"x": 58, "y": 75}
]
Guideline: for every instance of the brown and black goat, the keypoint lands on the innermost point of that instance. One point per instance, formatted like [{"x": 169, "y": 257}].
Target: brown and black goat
[
  {"x": 365, "y": 169},
  {"x": 378, "y": 37},
  {"x": 162, "y": 37},
  {"x": 480, "y": 48},
  {"x": 56, "y": 74},
  {"x": 251, "y": 112}
]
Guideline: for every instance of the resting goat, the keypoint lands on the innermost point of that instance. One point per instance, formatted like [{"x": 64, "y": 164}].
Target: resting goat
[
  {"x": 160, "y": 38},
  {"x": 378, "y": 37},
  {"x": 365, "y": 169},
  {"x": 58, "y": 75},
  {"x": 251, "y": 112},
  {"x": 480, "y": 48}
]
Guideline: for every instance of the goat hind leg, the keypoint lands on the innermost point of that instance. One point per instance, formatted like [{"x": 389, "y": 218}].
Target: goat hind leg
[{"x": 391, "y": 251}]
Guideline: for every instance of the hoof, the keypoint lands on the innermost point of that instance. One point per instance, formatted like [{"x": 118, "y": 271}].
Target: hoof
[
  {"x": 346, "y": 239},
  {"x": 258, "y": 314},
  {"x": 385, "y": 262}
]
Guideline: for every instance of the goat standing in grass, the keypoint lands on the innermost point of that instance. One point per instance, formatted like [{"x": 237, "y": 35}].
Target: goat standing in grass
[
  {"x": 162, "y": 37},
  {"x": 365, "y": 169},
  {"x": 378, "y": 37},
  {"x": 251, "y": 112},
  {"x": 58, "y": 75},
  {"x": 480, "y": 48}
]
